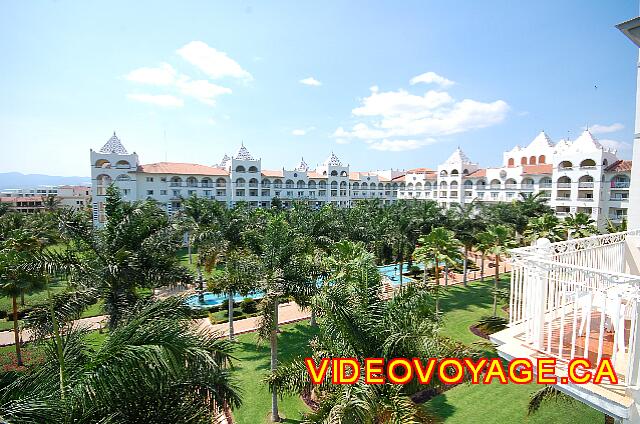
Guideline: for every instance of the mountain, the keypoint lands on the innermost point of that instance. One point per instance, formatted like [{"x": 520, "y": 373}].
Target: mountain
[{"x": 19, "y": 180}]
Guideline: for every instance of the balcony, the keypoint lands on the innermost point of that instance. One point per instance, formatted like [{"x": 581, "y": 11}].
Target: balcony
[
  {"x": 511, "y": 186},
  {"x": 564, "y": 185},
  {"x": 620, "y": 184},
  {"x": 586, "y": 184},
  {"x": 526, "y": 186},
  {"x": 577, "y": 299},
  {"x": 546, "y": 185},
  {"x": 619, "y": 198},
  {"x": 585, "y": 199}
]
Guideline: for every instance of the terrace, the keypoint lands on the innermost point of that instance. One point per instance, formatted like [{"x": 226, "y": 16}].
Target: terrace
[{"x": 579, "y": 298}]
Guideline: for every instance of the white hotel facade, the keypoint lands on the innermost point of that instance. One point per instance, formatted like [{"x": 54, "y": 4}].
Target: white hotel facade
[{"x": 576, "y": 176}]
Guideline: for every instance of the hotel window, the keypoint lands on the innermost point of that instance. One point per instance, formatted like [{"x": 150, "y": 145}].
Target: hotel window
[
  {"x": 163, "y": 179},
  {"x": 191, "y": 192},
  {"x": 494, "y": 194},
  {"x": 149, "y": 192},
  {"x": 481, "y": 195},
  {"x": 176, "y": 193},
  {"x": 207, "y": 192},
  {"x": 149, "y": 179},
  {"x": 163, "y": 192},
  {"x": 126, "y": 191},
  {"x": 510, "y": 195}
]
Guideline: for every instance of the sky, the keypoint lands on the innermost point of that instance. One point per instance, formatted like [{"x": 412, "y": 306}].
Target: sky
[{"x": 384, "y": 84}]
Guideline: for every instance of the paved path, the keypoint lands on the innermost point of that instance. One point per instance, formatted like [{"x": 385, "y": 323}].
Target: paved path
[
  {"x": 92, "y": 323},
  {"x": 287, "y": 313}
]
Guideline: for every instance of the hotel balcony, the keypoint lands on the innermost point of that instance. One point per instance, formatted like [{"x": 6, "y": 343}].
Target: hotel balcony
[
  {"x": 620, "y": 184},
  {"x": 580, "y": 298}
]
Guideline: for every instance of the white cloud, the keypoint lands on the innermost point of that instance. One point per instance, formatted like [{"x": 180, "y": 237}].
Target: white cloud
[
  {"x": 214, "y": 63},
  {"x": 201, "y": 90},
  {"x": 163, "y": 100},
  {"x": 310, "y": 81},
  {"x": 398, "y": 145},
  {"x": 162, "y": 75},
  {"x": 399, "y": 120},
  {"x": 299, "y": 132},
  {"x": 342, "y": 141},
  {"x": 605, "y": 129},
  {"x": 614, "y": 144},
  {"x": 431, "y": 78}
]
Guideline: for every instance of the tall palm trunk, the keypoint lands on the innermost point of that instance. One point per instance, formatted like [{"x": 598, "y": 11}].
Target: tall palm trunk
[
  {"x": 482, "y": 268},
  {"x": 230, "y": 309},
  {"x": 437, "y": 276},
  {"x": 464, "y": 266},
  {"x": 22, "y": 298},
  {"x": 189, "y": 247},
  {"x": 312, "y": 321},
  {"x": 424, "y": 273},
  {"x": 58, "y": 340},
  {"x": 446, "y": 275},
  {"x": 495, "y": 286},
  {"x": 273, "y": 338},
  {"x": 16, "y": 334}
]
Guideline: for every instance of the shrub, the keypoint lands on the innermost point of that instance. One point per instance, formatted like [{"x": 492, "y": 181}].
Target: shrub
[
  {"x": 249, "y": 305},
  {"x": 236, "y": 314},
  {"x": 490, "y": 325},
  {"x": 225, "y": 305},
  {"x": 3, "y": 314}
]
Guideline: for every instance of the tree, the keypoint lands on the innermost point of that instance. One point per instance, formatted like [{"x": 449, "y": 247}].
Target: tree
[
  {"x": 154, "y": 367},
  {"x": 241, "y": 274},
  {"x": 546, "y": 226},
  {"x": 467, "y": 225},
  {"x": 579, "y": 225},
  {"x": 441, "y": 245},
  {"x": 499, "y": 241},
  {"x": 18, "y": 244},
  {"x": 355, "y": 322}
]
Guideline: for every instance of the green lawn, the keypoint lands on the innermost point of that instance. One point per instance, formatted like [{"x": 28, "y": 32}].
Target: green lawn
[
  {"x": 253, "y": 365},
  {"x": 183, "y": 256}
]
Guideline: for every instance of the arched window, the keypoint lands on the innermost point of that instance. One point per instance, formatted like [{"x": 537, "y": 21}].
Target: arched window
[
  {"x": 527, "y": 183},
  {"x": 356, "y": 186},
  {"x": 372, "y": 186},
  {"x": 300, "y": 184},
  {"x": 418, "y": 186},
  {"x": 265, "y": 182},
  {"x": 387, "y": 186},
  {"x": 123, "y": 164},
  {"x": 322, "y": 185},
  {"x": 588, "y": 163},
  {"x": 192, "y": 182},
  {"x": 564, "y": 182},
  {"x": 481, "y": 184},
  {"x": 511, "y": 183},
  {"x": 523, "y": 161},
  {"x": 334, "y": 173},
  {"x": 454, "y": 185},
  {"x": 380, "y": 186},
  {"x": 175, "y": 182},
  {"x": 605, "y": 162},
  {"x": 541, "y": 159},
  {"x": 427, "y": 185},
  {"x": 468, "y": 184},
  {"x": 343, "y": 173},
  {"x": 103, "y": 181},
  {"x": 221, "y": 182},
  {"x": 253, "y": 169},
  {"x": 410, "y": 186},
  {"x": 343, "y": 185},
  {"x": 240, "y": 182},
  {"x": 253, "y": 182},
  {"x": 206, "y": 182},
  {"x": 123, "y": 177},
  {"x": 395, "y": 186},
  {"x": 334, "y": 185},
  {"x": 532, "y": 160},
  {"x": 240, "y": 168},
  {"x": 565, "y": 164},
  {"x": 495, "y": 183},
  {"x": 511, "y": 162},
  {"x": 289, "y": 184},
  {"x": 277, "y": 183},
  {"x": 586, "y": 181},
  {"x": 443, "y": 185},
  {"x": 312, "y": 185},
  {"x": 103, "y": 163},
  {"x": 620, "y": 181},
  {"x": 455, "y": 173},
  {"x": 443, "y": 173},
  {"x": 545, "y": 182}
]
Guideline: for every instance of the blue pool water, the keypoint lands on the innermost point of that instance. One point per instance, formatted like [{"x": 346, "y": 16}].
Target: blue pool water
[{"x": 210, "y": 299}]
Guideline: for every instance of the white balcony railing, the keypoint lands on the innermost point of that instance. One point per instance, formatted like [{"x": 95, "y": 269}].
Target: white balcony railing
[{"x": 574, "y": 299}]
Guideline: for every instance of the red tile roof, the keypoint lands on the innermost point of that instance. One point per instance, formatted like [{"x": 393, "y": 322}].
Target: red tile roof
[
  {"x": 420, "y": 171},
  {"x": 619, "y": 166},
  {"x": 546, "y": 168},
  {"x": 181, "y": 168},
  {"x": 270, "y": 173}
]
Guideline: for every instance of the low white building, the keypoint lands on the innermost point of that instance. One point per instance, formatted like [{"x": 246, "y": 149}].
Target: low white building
[{"x": 32, "y": 199}]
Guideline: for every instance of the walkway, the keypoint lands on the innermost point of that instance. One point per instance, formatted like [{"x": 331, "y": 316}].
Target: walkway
[
  {"x": 91, "y": 323},
  {"x": 287, "y": 313}
]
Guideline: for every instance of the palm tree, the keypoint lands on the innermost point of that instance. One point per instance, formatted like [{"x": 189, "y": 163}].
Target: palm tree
[
  {"x": 579, "y": 225},
  {"x": 483, "y": 245},
  {"x": 499, "y": 241},
  {"x": 546, "y": 226},
  {"x": 241, "y": 275},
  {"x": 153, "y": 367},
  {"x": 18, "y": 244},
  {"x": 441, "y": 245},
  {"x": 467, "y": 224},
  {"x": 354, "y": 321}
]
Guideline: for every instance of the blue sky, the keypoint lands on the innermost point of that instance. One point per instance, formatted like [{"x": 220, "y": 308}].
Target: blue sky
[{"x": 383, "y": 84}]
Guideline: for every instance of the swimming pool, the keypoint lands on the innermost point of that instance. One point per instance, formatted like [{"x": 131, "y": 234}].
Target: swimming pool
[{"x": 208, "y": 299}]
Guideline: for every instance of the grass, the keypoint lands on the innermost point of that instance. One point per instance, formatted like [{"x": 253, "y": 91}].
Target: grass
[
  {"x": 253, "y": 366},
  {"x": 183, "y": 256}
]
